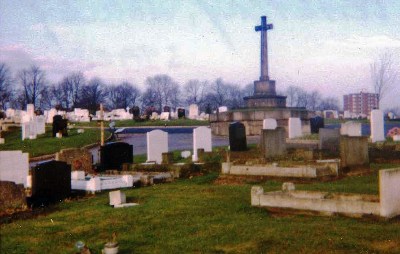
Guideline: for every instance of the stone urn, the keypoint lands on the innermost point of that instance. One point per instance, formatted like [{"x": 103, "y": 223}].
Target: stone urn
[{"x": 111, "y": 247}]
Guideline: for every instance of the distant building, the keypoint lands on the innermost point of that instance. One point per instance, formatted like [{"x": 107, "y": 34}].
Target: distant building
[{"x": 360, "y": 104}]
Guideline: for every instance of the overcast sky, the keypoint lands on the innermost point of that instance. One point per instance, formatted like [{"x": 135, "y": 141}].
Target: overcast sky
[{"x": 324, "y": 45}]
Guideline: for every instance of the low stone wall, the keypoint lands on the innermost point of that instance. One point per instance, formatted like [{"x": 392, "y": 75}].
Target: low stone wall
[{"x": 253, "y": 119}]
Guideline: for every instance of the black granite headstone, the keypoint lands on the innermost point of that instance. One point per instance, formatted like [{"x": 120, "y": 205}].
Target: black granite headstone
[
  {"x": 181, "y": 113},
  {"x": 135, "y": 112},
  {"x": 316, "y": 123},
  {"x": 51, "y": 181},
  {"x": 60, "y": 124},
  {"x": 167, "y": 109},
  {"x": 237, "y": 137},
  {"x": 113, "y": 155}
]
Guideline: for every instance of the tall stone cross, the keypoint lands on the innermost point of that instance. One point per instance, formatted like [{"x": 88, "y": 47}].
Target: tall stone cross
[{"x": 264, "y": 47}]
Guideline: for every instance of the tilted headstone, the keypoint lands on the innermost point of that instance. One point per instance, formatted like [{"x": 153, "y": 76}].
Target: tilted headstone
[
  {"x": 295, "y": 127},
  {"x": 113, "y": 155},
  {"x": 269, "y": 124},
  {"x": 51, "y": 181},
  {"x": 79, "y": 159},
  {"x": 193, "y": 111},
  {"x": 353, "y": 151},
  {"x": 316, "y": 124},
  {"x": 201, "y": 140},
  {"x": 14, "y": 166},
  {"x": 157, "y": 143},
  {"x": 273, "y": 142},
  {"x": 377, "y": 126},
  {"x": 237, "y": 137},
  {"x": 329, "y": 139},
  {"x": 351, "y": 129}
]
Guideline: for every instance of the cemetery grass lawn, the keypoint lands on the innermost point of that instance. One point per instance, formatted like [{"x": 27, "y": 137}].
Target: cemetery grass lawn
[
  {"x": 132, "y": 123},
  {"x": 46, "y": 144},
  {"x": 197, "y": 216}
]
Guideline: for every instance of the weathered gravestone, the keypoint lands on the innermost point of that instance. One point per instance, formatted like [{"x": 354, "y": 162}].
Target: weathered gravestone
[
  {"x": 329, "y": 139},
  {"x": 51, "y": 181},
  {"x": 113, "y": 155},
  {"x": 294, "y": 127},
  {"x": 353, "y": 151},
  {"x": 135, "y": 111},
  {"x": 60, "y": 125},
  {"x": 237, "y": 137},
  {"x": 12, "y": 196},
  {"x": 201, "y": 140},
  {"x": 316, "y": 124},
  {"x": 157, "y": 143},
  {"x": 79, "y": 159},
  {"x": 377, "y": 126},
  {"x": 181, "y": 113},
  {"x": 273, "y": 142},
  {"x": 193, "y": 111}
]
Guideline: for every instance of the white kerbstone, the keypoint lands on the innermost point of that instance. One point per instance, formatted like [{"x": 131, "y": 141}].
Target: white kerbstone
[
  {"x": 14, "y": 166},
  {"x": 269, "y": 124},
  {"x": 201, "y": 140},
  {"x": 294, "y": 127},
  {"x": 351, "y": 129},
  {"x": 193, "y": 111},
  {"x": 157, "y": 143},
  {"x": 377, "y": 126}
]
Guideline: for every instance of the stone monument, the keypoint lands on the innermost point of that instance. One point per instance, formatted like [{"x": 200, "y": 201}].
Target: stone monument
[
  {"x": 264, "y": 89},
  {"x": 264, "y": 103}
]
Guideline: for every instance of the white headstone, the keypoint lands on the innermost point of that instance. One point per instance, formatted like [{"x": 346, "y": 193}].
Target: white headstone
[
  {"x": 269, "y": 124},
  {"x": 294, "y": 127},
  {"x": 222, "y": 109},
  {"x": 351, "y": 129},
  {"x": 14, "y": 166},
  {"x": 164, "y": 116},
  {"x": 157, "y": 143},
  {"x": 117, "y": 197},
  {"x": 185, "y": 154},
  {"x": 193, "y": 111},
  {"x": 30, "y": 110},
  {"x": 50, "y": 114},
  {"x": 377, "y": 126},
  {"x": 201, "y": 140},
  {"x": 40, "y": 125},
  {"x": 25, "y": 130}
]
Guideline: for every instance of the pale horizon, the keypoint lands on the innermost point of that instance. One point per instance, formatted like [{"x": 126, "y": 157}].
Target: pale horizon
[{"x": 322, "y": 45}]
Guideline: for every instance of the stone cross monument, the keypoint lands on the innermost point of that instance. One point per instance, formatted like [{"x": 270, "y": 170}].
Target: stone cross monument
[
  {"x": 264, "y": 27},
  {"x": 264, "y": 89}
]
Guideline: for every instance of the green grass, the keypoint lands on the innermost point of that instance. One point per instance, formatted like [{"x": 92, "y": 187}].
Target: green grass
[
  {"x": 132, "y": 123},
  {"x": 197, "y": 216},
  {"x": 46, "y": 144}
]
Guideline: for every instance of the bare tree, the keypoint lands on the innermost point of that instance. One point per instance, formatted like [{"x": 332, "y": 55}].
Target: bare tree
[
  {"x": 93, "y": 94},
  {"x": 32, "y": 81},
  {"x": 293, "y": 93},
  {"x": 5, "y": 86},
  {"x": 329, "y": 103},
  {"x": 70, "y": 89},
  {"x": 194, "y": 91},
  {"x": 384, "y": 73},
  {"x": 123, "y": 95},
  {"x": 161, "y": 90}
]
